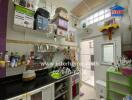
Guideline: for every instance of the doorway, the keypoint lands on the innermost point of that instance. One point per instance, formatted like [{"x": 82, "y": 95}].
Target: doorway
[{"x": 87, "y": 62}]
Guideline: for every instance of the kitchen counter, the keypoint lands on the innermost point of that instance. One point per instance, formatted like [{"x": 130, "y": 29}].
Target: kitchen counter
[{"x": 14, "y": 86}]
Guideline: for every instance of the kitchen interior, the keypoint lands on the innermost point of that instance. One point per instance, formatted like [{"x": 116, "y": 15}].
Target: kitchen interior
[{"x": 65, "y": 50}]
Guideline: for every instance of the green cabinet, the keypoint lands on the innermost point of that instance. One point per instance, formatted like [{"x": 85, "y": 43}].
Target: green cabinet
[{"x": 118, "y": 85}]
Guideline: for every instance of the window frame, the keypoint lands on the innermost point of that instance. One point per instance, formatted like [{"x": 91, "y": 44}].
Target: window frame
[{"x": 91, "y": 19}]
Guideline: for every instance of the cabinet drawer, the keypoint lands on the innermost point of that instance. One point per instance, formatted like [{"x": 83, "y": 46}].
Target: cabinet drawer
[{"x": 119, "y": 78}]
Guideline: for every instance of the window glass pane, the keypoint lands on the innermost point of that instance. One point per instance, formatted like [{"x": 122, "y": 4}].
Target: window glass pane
[
  {"x": 101, "y": 12},
  {"x": 96, "y": 15},
  {"x": 107, "y": 10},
  {"x": 96, "y": 19},
  {"x": 107, "y": 15},
  {"x": 101, "y": 17},
  {"x": 108, "y": 53},
  {"x": 91, "y": 17},
  {"x": 91, "y": 21}
]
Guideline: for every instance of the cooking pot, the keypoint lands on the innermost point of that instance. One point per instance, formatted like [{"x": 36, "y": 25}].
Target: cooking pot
[{"x": 29, "y": 75}]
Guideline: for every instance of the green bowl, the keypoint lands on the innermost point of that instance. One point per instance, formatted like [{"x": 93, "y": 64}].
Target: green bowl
[{"x": 56, "y": 75}]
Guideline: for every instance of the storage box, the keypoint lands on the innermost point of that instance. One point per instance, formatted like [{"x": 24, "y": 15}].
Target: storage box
[
  {"x": 61, "y": 32},
  {"x": 19, "y": 18},
  {"x": 62, "y": 12},
  {"x": 126, "y": 71},
  {"x": 23, "y": 16},
  {"x": 41, "y": 23}
]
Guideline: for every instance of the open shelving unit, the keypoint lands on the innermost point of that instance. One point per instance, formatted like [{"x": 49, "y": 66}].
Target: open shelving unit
[
  {"x": 35, "y": 42},
  {"x": 26, "y": 32},
  {"x": 118, "y": 85},
  {"x": 62, "y": 89}
]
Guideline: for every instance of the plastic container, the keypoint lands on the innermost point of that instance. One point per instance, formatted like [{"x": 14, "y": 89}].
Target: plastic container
[
  {"x": 41, "y": 19},
  {"x": 127, "y": 71}
]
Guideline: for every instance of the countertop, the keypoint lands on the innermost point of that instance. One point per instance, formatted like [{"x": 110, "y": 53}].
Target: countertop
[{"x": 17, "y": 87}]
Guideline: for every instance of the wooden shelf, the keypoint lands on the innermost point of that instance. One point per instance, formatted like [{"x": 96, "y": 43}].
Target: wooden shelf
[
  {"x": 34, "y": 42},
  {"x": 107, "y": 27}
]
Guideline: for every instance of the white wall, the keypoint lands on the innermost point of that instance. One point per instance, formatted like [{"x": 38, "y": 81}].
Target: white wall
[
  {"x": 125, "y": 22},
  {"x": 99, "y": 39}
]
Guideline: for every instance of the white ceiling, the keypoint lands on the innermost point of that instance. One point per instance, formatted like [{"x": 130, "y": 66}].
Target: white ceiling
[
  {"x": 77, "y": 7},
  {"x": 68, "y": 4}
]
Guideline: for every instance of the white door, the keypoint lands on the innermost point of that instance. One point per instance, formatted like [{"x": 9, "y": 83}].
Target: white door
[{"x": 87, "y": 62}]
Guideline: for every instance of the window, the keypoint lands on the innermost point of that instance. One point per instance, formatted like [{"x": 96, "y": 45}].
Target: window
[
  {"x": 108, "y": 53},
  {"x": 98, "y": 16},
  {"x": 91, "y": 17},
  {"x": 91, "y": 21},
  {"x": 107, "y": 10},
  {"x": 101, "y": 17},
  {"x": 101, "y": 12},
  {"x": 96, "y": 19}
]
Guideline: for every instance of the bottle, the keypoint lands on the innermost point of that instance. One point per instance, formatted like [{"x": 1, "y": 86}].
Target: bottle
[
  {"x": 12, "y": 60},
  {"x": 6, "y": 58},
  {"x": 2, "y": 62},
  {"x": 23, "y": 59}
]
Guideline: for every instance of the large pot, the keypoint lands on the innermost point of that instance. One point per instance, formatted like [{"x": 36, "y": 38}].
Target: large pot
[{"x": 29, "y": 75}]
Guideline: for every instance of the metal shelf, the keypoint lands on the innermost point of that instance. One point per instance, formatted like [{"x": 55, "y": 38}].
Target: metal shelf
[{"x": 60, "y": 94}]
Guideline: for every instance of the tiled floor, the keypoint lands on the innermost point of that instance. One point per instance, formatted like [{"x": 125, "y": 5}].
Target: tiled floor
[{"x": 89, "y": 93}]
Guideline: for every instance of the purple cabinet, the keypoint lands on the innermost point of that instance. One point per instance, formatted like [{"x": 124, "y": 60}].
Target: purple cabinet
[{"x": 3, "y": 26}]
